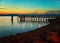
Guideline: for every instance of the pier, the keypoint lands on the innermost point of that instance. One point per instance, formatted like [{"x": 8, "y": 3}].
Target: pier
[
  {"x": 35, "y": 19},
  {"x": 27, "y": 18}
]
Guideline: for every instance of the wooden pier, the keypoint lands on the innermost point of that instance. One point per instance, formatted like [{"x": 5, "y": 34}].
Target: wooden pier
[
  {"x": 35, "y": 19},
  {"x": 27, "y": 18}
]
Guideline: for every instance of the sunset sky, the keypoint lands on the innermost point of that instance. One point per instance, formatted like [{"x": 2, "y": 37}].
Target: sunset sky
[{"x": 28, "y": 6}]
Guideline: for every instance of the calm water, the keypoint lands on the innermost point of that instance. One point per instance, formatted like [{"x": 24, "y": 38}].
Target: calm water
[{"x": 6, "y": 27}]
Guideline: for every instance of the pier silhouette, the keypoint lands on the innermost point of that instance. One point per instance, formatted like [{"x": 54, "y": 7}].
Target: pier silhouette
[{"x": 31, "y": 17}]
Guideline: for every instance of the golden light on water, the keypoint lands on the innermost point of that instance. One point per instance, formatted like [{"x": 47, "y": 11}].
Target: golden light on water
[{"x": 7, "y": 20}]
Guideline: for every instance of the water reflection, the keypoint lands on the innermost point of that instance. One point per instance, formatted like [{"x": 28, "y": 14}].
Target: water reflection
[{"x": 6, "y": 28}]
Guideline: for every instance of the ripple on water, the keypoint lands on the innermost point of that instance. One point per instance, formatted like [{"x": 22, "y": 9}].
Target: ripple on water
[{"x": 6, "y": 30}]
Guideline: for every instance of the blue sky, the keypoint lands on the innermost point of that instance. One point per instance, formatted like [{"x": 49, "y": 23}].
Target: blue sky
[{"x": 34, "y": 4}]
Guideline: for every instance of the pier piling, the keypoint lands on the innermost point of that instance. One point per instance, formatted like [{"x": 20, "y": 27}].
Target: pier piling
[{"x": 12, "y": 19}]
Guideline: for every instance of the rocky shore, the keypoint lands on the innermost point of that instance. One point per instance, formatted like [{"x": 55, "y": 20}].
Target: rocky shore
[{"x": 46, "y": 34}]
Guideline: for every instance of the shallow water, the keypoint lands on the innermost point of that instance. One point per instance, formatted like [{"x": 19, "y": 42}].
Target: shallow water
[{"x": 7, "y": 28}]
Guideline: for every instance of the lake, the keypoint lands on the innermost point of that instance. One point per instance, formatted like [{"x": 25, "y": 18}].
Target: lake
[{"x": 7, "y": 28}]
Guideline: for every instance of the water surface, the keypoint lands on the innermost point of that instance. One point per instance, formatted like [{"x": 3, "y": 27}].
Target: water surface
[{"x": 7, "y": 28}]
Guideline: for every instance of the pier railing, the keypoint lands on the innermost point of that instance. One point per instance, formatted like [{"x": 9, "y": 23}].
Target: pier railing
[{"x": 35, "y": 19}]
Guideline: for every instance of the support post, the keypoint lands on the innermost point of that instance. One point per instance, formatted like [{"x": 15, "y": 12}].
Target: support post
[{"x": 12, "y": 19}]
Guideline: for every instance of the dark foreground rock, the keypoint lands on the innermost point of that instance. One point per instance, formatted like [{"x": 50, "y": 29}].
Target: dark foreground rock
[{"x": 46, "y": 34}]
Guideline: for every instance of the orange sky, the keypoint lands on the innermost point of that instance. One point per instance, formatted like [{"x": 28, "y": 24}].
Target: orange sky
[
  {"x": 28, "y": 6},
  {"x": 23, "y": 12}
]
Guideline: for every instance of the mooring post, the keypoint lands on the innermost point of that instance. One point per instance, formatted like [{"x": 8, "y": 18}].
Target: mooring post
[{"x": 12, "y": 19}]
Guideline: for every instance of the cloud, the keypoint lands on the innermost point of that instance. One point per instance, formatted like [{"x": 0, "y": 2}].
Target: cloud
[
  {"x": 2, "y": 8},
  {"x": 54, "y": 12}
]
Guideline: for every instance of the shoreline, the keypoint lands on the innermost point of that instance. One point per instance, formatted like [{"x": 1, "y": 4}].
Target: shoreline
[{"x": 45, "y": 34}]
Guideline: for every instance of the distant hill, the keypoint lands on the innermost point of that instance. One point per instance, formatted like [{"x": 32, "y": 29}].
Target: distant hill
[{"x": 36, "y": 15}]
